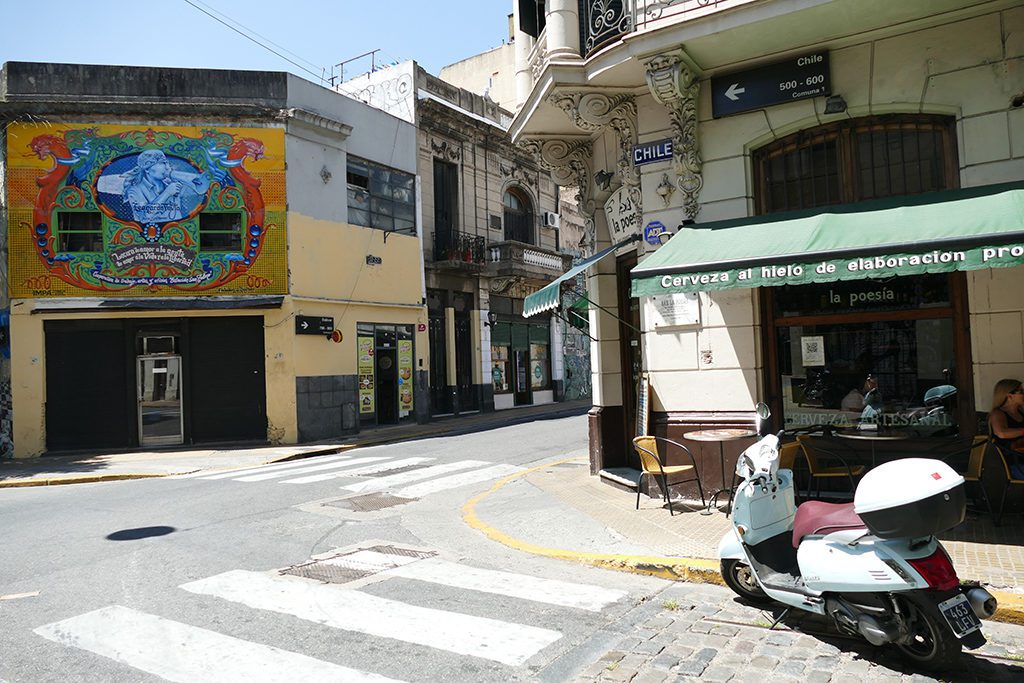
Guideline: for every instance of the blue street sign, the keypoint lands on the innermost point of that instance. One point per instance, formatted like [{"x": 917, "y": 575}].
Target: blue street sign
[
  {"x": 650, "y": 152},
  {"x": 792, "y": 79},
  {"x": 652, "y": 230}
]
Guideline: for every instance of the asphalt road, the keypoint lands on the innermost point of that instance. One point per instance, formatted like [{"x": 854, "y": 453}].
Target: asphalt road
[{"x": 179, "y": 578}]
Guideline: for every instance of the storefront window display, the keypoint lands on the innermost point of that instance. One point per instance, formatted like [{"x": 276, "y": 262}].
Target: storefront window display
[{"x": 385, "y": 381}]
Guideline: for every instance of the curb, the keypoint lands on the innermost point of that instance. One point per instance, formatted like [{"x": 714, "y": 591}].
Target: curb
[
  {"x": 683, "y": 569},
  {"x": 85, "y": 479}
]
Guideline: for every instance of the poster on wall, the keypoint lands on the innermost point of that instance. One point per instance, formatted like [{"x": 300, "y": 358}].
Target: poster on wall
[
  {"x": 115, "y": 210},
  {"x": 812, "y": 351},
  {"x": 405, "y": 384},
  {"x": 365, "y": 371}
]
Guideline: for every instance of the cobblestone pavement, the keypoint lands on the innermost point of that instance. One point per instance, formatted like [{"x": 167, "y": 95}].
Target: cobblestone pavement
[{"x": 701, "y": 632}]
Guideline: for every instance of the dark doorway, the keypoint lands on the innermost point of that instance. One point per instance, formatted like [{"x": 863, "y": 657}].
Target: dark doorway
[
  {"x": 225, "y": 388},
  {"x": 88, "y": 402},
  {"x": 630, "y": 350},
  {"x": 440, "y": 396},
  {"x": 518, "y": 217},
  {"x": 387, "y": 386},
  {"x": 521, "y": 373},
  {"x": 462, "y": 302}
]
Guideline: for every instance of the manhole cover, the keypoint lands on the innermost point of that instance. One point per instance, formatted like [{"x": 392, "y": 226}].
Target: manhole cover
[
  {"x": 368, "y": 502},
  {"x": 328, "y": 573}
]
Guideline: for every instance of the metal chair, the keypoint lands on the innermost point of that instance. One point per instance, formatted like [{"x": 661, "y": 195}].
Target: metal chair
[
  {"x": 647, "y": 448},
  {"x": 998, "y": 468},
  {"x": 975, "y": 467},
  {"x": 817, "y": 471}
]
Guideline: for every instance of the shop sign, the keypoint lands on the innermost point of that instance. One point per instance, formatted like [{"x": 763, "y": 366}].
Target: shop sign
[
  {"x": 405, "y": 382},
  {"x": 364, "y": 345},
  {"x": 305, "y": 324},
  {"x": 651, "y": 152},
  {"x": 674, "y": 310},
  {"x": 857, "y": 268},
  {"x": 623, "y": 212},
  {"x": 786, "y": 81}
]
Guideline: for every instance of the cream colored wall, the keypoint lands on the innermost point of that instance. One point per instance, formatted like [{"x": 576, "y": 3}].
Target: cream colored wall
[
  {"x": 969, "y": 69},
  {"x": 28, "y": 380},
  {"x": 492, "y": 72},
  {"x": 997, "y": 329},
  {"x": 328, "y": 261}
]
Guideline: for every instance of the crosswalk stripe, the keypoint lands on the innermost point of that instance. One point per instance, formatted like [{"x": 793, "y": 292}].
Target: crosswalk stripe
[
  {"x": 291, "y": 464},
  {"x": 264, "y": 476},
  {"x": 178, "y": 652},
  {"x": 456, "y": 480},
  {"x": 384, "y": 483},
  {"x": 352, "y": 610},
  {"x": 372, "y": 469},
  {"x": 535, "y": 589}
]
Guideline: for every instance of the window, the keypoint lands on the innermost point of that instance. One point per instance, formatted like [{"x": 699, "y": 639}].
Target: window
[
  {"x": 518, "y": 216},
  {"x": 381, "y": 197},
  {"x": 532, "y": 17},
  {"x": 79, "y": 231},
  {"x": 856, "y": 160},
  {"x": 220, "y": 231}
]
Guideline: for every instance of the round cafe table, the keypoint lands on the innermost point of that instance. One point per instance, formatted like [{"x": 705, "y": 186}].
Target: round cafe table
[
  {"x": 721, "y": 436},
  {"x": 872, "y": 436}
]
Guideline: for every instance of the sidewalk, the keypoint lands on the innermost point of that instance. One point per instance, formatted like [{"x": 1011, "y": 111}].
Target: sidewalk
[{"x": 53, "y": 470}]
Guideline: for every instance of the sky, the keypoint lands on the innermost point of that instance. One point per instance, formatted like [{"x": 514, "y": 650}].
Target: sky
[{"x": 310, "y": 36}]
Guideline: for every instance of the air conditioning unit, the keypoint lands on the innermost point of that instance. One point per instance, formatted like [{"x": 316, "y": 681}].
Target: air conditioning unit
[{"x": 552, "y": 219}]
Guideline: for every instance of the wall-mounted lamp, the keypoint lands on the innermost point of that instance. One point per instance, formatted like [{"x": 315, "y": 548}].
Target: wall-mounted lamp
[
  {"x": 835, "y": 105},
  {"x": 492, "y": 318},
  {"x": 603, "y": 179}
]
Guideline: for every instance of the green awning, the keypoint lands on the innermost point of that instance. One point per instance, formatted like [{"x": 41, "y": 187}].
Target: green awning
[
  {"x": 933, "y": 233},
  {"x": 578, "y": 314},
  {"x": 550, "y": 296}
]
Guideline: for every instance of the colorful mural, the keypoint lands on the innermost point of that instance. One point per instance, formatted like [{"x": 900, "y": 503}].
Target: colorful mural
[{"x": 112, "y": 210}]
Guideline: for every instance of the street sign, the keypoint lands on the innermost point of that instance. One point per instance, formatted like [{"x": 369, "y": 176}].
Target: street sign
[
  {"x": 306, "y": 324},
  {"x": 793, "y": 79},
  {"x": 650, "y": 152}
]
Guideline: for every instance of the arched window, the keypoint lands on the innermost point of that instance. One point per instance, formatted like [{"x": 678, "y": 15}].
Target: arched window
[
  {"x": 856, "y": 160},
  {"x": 518, "y": 216}
]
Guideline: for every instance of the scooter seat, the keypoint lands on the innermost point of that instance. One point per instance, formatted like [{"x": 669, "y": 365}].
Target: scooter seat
[{"x": 817, "y": 518}]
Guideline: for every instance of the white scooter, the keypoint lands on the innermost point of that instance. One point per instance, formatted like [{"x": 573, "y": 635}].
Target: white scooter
[{"x": 874, "y": 566}]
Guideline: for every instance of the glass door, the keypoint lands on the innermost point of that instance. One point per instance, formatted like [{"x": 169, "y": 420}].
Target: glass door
[{"x": 159, "y": 394}]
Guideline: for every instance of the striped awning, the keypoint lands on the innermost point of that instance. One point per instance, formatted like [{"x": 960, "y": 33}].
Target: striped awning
[{"x": 550, "y": 297}]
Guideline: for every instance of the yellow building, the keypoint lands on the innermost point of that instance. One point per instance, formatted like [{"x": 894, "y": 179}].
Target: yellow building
[{"x": 201, "y": 256}]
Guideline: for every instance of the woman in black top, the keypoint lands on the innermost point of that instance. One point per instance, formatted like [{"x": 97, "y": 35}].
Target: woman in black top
[{"x": 1006, "y": 421}]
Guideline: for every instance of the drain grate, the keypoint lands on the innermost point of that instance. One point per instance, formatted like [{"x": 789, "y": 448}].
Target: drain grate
[
  {"x": 328, "y": 573},
  {"x": 370, "y": 502},
  {"x": 404, "y": 552}
]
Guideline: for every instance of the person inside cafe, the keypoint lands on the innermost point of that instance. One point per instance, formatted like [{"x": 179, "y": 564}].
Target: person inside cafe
[{"x": 1006, "y": 421}]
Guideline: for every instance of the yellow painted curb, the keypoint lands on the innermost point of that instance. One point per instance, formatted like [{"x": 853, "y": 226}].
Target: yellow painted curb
[
  {"x": 694, "y": 570},
  {"x": 688, "y": 569},
  {"x": 85, "y": 479}
]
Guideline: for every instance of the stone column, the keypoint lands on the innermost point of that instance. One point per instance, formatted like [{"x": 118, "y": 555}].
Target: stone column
[
  {"x": 563, "y": 29},
  {"x": 523, "y": 45}
]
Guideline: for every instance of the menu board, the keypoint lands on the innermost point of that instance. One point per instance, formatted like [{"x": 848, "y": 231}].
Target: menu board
[
  {"x": 405, "y": 384},
  {"x": 366, "y": 387}
]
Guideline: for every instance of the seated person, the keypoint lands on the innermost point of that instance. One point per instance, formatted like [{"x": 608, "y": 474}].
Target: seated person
[{"x": 1006, "y": 421}]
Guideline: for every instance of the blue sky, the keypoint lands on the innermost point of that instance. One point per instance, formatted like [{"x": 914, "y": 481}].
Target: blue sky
[{"x": 315, "y": 34}]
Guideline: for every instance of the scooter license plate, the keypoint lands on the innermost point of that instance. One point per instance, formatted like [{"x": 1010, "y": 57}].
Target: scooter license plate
[{"x": 958, "y": 614}]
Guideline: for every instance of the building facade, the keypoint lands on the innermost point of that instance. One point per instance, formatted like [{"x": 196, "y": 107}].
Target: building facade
[
  {"x": 185, "y": 264},
  {"x": 491, "y": 237},
  {"x": 746, "y": 127}
]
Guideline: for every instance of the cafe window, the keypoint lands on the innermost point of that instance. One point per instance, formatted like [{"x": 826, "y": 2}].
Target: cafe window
[
  {"x": 868, "y": 352},
  {"x": 381, "y": 197},
  {"x": 856, "y": 160}
]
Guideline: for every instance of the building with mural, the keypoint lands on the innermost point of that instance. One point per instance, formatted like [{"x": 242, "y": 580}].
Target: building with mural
[
  {"x": 189, "y": 260},
  {"x": 842, "y": 181},
  {"x": 491, "y": 237}
]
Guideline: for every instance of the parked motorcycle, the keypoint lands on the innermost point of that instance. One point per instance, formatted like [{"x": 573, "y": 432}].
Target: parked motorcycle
[{"x": 873, "y": 566}]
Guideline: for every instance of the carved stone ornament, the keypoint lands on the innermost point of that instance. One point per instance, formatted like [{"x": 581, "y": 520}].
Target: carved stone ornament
[
  {"x": 446, "y": 150},
  {"x": 568, "y": 161},
  {"x": 499, "y": 285},
  {"x": 675, "y": 87},
  {"x": 518, "y": 174},
  {"x": 592, "y": 112}
]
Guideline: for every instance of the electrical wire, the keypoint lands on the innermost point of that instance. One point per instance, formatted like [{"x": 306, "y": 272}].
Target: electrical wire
[{"x": 247, "y": 36}]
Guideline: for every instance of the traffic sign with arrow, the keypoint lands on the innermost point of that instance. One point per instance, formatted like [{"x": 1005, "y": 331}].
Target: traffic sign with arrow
[
  {"x": 786, "y": 81},
  {"x": 305, "y": 324}
]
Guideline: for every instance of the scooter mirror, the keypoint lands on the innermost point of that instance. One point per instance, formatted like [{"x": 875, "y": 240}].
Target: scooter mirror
[{"x": 763, "y": 411}]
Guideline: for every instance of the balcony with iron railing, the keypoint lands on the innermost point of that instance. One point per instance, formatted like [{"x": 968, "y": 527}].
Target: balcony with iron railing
[{"x": 459, "y": 251}]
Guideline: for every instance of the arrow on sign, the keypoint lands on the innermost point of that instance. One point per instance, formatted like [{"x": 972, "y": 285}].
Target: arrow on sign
[
  {"x": 305, "y": 325},
  {"x": 734, "y": 90}
]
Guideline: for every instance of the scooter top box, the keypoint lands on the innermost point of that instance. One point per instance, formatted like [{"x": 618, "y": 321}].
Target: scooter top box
[{"x": 910, "y": 498}]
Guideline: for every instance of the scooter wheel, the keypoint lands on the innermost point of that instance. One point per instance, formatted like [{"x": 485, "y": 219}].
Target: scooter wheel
[
  {"x": 740, "y": 578},
  {"x": 930, "y": 642}
]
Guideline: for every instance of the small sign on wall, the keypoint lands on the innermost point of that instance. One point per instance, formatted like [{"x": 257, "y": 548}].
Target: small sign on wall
[
  {"x": 675, "y": 310},
  {"x": 812, "y": 351}
]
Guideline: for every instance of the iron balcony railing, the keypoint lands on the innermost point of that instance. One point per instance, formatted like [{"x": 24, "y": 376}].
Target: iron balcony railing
[{"x": 459, "y": 246}]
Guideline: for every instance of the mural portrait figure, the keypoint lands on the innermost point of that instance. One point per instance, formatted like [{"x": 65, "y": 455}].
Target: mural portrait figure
[{"x": 157, "y": 193}]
